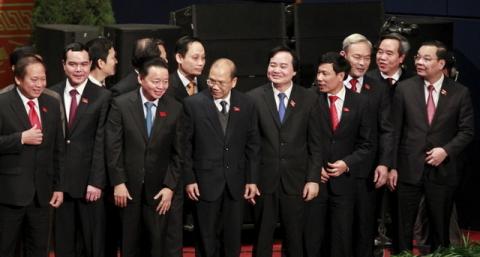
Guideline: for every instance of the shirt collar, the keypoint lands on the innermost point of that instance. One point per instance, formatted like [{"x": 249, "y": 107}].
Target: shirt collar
[
  {"x": 395, "y": 76},
  {"x": 184, "y": 79},
  {"x": 144, "y": 99},
  {"x": 287, "y": 92},
  {"x": 226, "y": 99},
  {"x": 79, "y": 88},
  {"x": 25, "y": 100},
  {"x": 437, "y": 85},
  {"x": 340, "y": 94},
  {"x": 359, "y": 81},
  {"x": 95, "y": 81}
]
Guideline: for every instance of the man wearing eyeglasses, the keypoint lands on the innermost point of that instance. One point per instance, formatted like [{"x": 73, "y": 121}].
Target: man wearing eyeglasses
[
  {"x": 434, "y": 123},
  {"x": 222, "y": 146}
]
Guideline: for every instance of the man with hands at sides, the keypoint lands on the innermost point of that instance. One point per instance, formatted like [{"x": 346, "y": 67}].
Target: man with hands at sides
[
  {"x": 346, "y": 145},
  {"x": 143, "y": 155},
  {"x": 221, "y": 156}
]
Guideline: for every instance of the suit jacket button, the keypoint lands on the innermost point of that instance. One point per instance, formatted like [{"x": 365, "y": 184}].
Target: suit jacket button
[
  {"x": 226, "y": 148},
  {"x": 68, "y": 141},
  {"x": 228, "y": 167}
]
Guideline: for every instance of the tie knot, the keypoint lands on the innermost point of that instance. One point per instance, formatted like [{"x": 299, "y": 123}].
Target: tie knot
[
  {"x": 333, "y": 98},
  {"x": 282, "y": 96},
  {"x": 73, "y": 92},
  {"x": 390, "y": 81},
  {"x": 430, "y": 88},
  {"x": 149, "y": 105},
  {"x": 224, "y": 106},
  {"x": 353, "y": 82},
  {"x": 31, "y": 104},
  {"x": 192, "y": 84}
]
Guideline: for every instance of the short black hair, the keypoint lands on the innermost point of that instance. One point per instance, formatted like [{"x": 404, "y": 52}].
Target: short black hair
[
  {"x": 153, "y": 62},
  {"x": 74, "y": 47},
  {"x": 339, "y": 63},
  {"x": 21, "y": 66},
  {"x": 183, "y": 43},
  {"x": 403, "y": 44},
  {"x": 19, "y": 52},
  {"x": 143, "y": 50},
  {"x": 442, "y": 51},
  {"x": 283, "y": 48},
  {"x": 98, "y": 49}
]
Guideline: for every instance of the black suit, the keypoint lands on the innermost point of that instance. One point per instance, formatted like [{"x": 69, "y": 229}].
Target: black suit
[
  {"x": 352, "y": 143},
  {"x": 125, "y": 85},
  {"x": 375, "y": 74},
  {"x": 84, "y": 165},
  {"x": 177, "y": 90},
  {"x": 452, "y": 128},
  {"x": 221, "y": 164},
  {"x": 379, "y": 101},
  {"x": 287, "y": 163},
  {"x": 145, "y": 165},
  {"x": 28, "y": 174}
]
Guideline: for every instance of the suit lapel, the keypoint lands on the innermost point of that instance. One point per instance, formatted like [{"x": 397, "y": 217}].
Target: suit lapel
[
  {"x": 179, "y": 87},
  {"x": 43, "y": 109},
  {"x": 443, "y": 99},
  {"x": 19, "y": 109},
  {"x": 160, "y": 116},
  {"x": 233, "y": 116},
  {"x": 420, "y": 98},
  {"x": 212, "y": 113},
  {"x": 136, "y": 108},
  {"x": 271, "y": 104},
  {"x": 292, "y": 102},
  {"x": 325, "y": 110},
  {"x": 347, "y": 106}
]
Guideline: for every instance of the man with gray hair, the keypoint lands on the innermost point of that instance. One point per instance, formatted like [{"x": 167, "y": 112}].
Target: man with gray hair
[{"x": 357, "y": 51}]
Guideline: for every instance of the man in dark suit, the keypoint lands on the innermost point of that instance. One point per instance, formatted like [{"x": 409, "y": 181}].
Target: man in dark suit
[
  {"x": 346, "y": 150},
  {"x": 390, "y": 58},
  {"x": 185, "y": 81},
  {"x": 433, "y": 124},
  {"x": 31, "y": 160},
  {"x": 143, "y": 50},
  {"x": 222, "y": 146},
  {"x": 143, "y": 155},
  {"x": 86, "y": 107},
  {"x": 357, "y": 51},
  {"x": 289, "y": 171}
]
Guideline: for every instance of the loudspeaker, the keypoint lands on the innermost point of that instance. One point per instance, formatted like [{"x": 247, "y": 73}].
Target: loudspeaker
[
  {"x": 319, "y": 28},
  {"x": 50, "y": 41},
  {"x": 124, "y": 36},
  {"x": 242, "y": 32}
]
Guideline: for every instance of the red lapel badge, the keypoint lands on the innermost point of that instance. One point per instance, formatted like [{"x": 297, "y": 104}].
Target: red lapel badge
[
  {"x": 44, "y": 109},
  {"x": 236, "y": 108},
  {"x": 367, "y": 86},
  {"x": 292, "y": 103},
  {"x": 84, "y": 100},
  {"x": 345, "y": 109},
  {"x": 162, "y": 114},
  {"x": 443, "y": 92}
]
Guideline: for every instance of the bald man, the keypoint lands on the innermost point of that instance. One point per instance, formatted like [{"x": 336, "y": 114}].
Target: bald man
[{"x": 221, "y": 133}]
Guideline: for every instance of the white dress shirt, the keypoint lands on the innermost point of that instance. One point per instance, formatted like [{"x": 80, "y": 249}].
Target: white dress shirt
[
  {"x": 436, "y": 92},
  {"x": 339, "y": 102},
  {"x": 226, "y": 99},
  {"x": 25, "y": 101},
  {"x": 358, "y": 86},
  {"x": 68, "y": 99},
  {"x": 154, "y": 107},
  {"x": 287, "y": 93}
]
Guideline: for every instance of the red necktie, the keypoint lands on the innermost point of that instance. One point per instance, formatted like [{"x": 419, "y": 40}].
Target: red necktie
[
  {"x": 333, "y": 112},
  {"x": 33, "y": 116},
  {"x": 73, "y": 107},
  {"x": 390, "y": 81},
  {"x": 430, "y": 104},
  {"x": 354, "y": 82}
]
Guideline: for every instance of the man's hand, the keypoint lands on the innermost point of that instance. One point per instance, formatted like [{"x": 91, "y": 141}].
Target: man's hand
[
  {"x": 392, "y": 180},
  {"x": 381, "y": 176},
  {"x": 165, "y": 195},
  {"x": 33, "y": 136},
  {"x": 57, "y": 199},
  {"x": 192, "y": 191},
  {"x": 251, "y": 190},
  {"x": 324, "y": 176},
  {"x": 121, "y": 195},
  {"x": 337, "y": 168},
  {"x": 310, "y": 191},
  {"x": 93, "y": 193},
  {"x": 436, "y": 156}
]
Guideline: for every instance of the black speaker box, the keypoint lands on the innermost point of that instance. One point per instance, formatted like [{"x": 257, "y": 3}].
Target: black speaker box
[
  {"x": 232, "y": 21},
  {"x": 319, "y": 28},
  {"x": 50, "y": 41},
  {"x": 245, "y": 84},
  {"x": 124, "y": 36}
]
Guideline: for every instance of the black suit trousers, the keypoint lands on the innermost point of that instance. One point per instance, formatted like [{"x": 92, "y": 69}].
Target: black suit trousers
[
  {"x": 219, "y": 225},
  {"x": 143, "y": 230},
  {"x": 267, "y": 211},
  {"x": 80, "y": 222},
  {"x": 31, "y": 224},
  {"x": 328, "y": 224},
  {"x": 364, "y": 218},
  {"x": 439, "y": 204}
]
